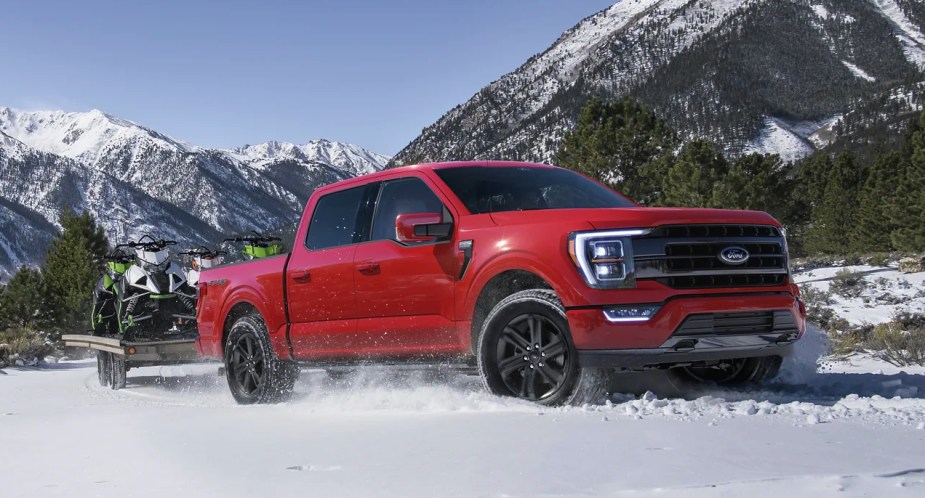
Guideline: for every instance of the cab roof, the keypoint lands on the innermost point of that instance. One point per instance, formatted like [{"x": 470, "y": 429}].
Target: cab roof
[{"x": 434, "y": 166}]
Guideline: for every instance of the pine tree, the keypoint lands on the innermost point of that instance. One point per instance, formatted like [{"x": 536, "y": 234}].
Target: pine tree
[
  {"x": 757, "y": 182},
  {"x": 908, "y": 213},
  {"x": 833, "y": 219},
  {"x": 873, "y": 222},
  {"x": 613, "y": 141},
  {"x": 23, "y": 302},
  {"x": 693, "y": 175},
  {"x": 72, "y": 267}
]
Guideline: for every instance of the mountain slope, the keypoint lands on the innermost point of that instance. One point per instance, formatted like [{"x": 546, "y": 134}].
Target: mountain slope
[
  {"x": 731, "y": 70},
  {"x": 35, "y": 187},
  {"x": 136, "y": 180}
]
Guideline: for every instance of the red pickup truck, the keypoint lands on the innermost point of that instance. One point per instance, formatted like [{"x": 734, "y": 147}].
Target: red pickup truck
[{"x": 539, "y": 277}]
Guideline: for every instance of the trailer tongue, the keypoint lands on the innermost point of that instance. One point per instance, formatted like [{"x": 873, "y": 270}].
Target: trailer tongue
[{"x": 116, "y": 356}]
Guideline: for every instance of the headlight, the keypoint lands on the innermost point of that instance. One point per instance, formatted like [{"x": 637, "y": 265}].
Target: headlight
[{"x": 605, "y": 259}]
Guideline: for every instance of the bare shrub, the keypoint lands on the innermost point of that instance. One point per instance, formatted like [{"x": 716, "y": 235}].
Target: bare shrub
[
  {"x": 898, "y": 345},
  {"x": 818, "y": 305},
  {"x": 848, "y": 284},
  {"x": 24, "y": 345}
]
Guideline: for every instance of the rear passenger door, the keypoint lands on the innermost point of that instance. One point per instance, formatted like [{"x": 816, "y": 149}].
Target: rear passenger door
[
  {"x": 320, "y": 275},
  {"x": 405, "y": 291}
]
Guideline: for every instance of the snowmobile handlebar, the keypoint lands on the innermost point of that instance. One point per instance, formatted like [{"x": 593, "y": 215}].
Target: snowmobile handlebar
[
  {"x": 203, "y": 252},
  {"x": 256, "y": 238},
  {"x": 153, "y": 245},
  {"x": 116, "y": 255}
]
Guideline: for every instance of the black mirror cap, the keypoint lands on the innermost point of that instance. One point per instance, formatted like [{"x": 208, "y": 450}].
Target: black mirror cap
[{"x": 439, "y": 230}]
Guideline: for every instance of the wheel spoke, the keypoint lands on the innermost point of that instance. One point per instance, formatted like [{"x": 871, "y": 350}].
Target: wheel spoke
[
  {"x": 512, "y": 337},
  {"x": 509, "y": 365},
  {"x": 530, "y": 376},
  {"x": 553, "y": 376},
  {"x": 554, "y": 350},
  {"x": 535, "y": 326}
]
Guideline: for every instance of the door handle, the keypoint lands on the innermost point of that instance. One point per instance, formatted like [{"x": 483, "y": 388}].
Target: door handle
[
  {"x": 302, "y": 277},
  {"x": 368, "y": 267}
]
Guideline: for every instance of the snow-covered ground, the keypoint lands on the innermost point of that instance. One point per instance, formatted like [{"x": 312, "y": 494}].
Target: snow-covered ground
[
  {"x": 847, "y": 430},
  {"x": 887, "y": 292}
]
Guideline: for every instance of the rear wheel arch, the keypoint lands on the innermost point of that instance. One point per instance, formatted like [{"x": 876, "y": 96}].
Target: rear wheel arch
[{"x": 238, "y": 310}]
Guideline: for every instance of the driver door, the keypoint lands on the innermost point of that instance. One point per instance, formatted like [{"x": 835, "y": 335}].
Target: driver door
[{"x": 405, "y": 291}]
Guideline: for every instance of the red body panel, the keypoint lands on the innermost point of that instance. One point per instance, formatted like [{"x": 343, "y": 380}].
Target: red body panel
[{"x": 385, "y": 300}]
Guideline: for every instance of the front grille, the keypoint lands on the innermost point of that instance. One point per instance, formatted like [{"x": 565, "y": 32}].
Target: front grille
[
  {"x": 748, "y": 322},
  {"x": 703, "y": 256},
  {"x": 721, "y": 281},
  {"x": 687, "y": 256}
]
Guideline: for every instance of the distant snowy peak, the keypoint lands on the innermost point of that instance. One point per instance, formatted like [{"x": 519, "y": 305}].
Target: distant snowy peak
[
  {"x": 350, "y": 158},
  {"x": 83, "y": 136}
]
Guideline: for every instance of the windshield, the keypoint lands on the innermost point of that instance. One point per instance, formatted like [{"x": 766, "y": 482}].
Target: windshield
[{"x": 491, "y": 189}]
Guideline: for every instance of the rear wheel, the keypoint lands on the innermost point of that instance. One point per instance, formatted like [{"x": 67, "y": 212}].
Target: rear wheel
[
  {"x": 730, "y": 373},
  {"x": 254, "y": 373},
  {"x": 104, "y": 367},
  {"x": 525, "y": 351}
]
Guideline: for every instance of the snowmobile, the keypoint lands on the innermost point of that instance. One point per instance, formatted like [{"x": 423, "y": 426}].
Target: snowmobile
[
  {"x": 154, "y": 298},
  {"x": 103, "y": 318},
  {"x": 201, "y": 258},
  {"x": 258, "y": 246}
]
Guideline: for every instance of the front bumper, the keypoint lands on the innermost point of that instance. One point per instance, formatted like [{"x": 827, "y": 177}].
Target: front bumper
[
  {"x": 690, "y": 329},
  {"x": 718, "y": 349}
]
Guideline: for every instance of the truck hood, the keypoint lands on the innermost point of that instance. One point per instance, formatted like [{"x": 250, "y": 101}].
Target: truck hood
[{"x": 634, "y": 217}]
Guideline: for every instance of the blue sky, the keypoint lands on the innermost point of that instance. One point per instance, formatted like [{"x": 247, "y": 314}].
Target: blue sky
[{"x": 227, "y": 73}]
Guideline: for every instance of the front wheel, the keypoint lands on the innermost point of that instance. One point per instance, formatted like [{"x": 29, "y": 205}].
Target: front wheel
[
  {"x": 254, "y": 373},
  {"x": 525, "y": 351}
]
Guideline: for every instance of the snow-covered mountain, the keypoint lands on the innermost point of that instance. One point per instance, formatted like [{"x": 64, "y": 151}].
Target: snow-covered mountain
[
  {"x": 136, "y": 180},
  {"x": 751, "y": 74}
]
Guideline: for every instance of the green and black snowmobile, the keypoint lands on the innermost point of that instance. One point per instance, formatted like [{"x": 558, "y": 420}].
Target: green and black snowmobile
[
  {"x": 153, "y": 297},
  {"x": 259, "y": 246},
  {"x": 104, "y": 320}
]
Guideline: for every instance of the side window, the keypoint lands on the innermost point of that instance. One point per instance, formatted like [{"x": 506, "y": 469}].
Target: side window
[
  {"x": 408, "y": 195},
  {"x": 334, "y": 222}
]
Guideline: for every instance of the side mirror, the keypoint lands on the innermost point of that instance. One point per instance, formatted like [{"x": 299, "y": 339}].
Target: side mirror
[{"x": 421, "y": 227}]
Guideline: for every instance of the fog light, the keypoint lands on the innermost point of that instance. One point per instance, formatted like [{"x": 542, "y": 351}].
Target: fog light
[{"x": 632, "y": 313}]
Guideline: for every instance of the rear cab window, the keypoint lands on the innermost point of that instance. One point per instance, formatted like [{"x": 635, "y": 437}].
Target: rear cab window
[{"x": 341, "y": 218}]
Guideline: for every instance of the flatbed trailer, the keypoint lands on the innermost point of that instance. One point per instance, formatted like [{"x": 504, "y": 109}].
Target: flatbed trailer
[{"x": 116, "y": 356}]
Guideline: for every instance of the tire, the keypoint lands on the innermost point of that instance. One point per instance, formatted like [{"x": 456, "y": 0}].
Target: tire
[
  {"x": 254, "y": 373},
  {"x": 510, "y": 364},
  {"x": 730, "y": 373},
  {"x": 118, "y": 372},
  {"x": 104, "y": 367}
]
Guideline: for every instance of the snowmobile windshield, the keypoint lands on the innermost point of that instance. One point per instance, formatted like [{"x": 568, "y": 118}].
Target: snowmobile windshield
[
  {"x": 152, "y": 258},
  {"x": 494, "y": 189},
  {"x": 210, "y": 262}
]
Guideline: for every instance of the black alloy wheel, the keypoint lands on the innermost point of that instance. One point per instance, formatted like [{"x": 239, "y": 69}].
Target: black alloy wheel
[
  {"x": 532, "y": 356},
  {"x": 524, "y": 350},
  {"x": 248, "y": 365},
  {"x": 254, "y": 373}
]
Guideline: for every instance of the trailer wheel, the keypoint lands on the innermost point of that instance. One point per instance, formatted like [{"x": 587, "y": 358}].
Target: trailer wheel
[
  {"x": 104, "y": 367},
  {"x": 118, "y": 372},
  {"x": 254, "y": 373}
]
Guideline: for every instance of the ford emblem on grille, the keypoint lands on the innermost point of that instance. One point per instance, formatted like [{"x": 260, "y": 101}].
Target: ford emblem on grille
[{"x": 733, "y": 255}]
